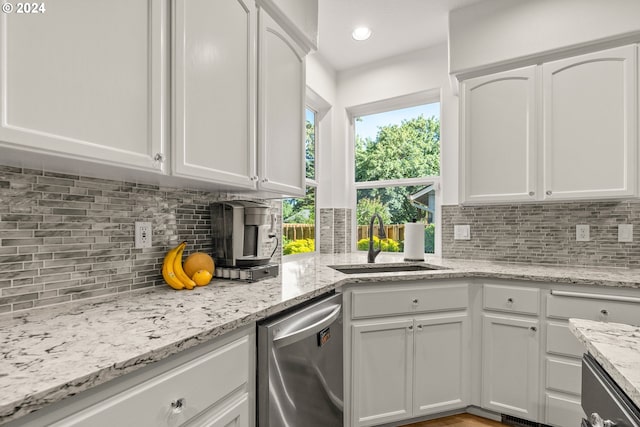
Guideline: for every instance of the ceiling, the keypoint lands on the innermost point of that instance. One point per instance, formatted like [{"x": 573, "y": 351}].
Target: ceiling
[{"x": 398, "y": 26}]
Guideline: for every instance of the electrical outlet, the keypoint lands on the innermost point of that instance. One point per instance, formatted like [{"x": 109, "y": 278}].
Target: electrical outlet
[
  {"x": 462, "y": 232},
  {"x": 625, "y": 233},
  {"x": 143, "y": 235},
  {"x": 582, "y": 233}
]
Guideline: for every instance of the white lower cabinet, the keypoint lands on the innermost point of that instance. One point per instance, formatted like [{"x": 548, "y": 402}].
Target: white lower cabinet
[
  {"x": 564, "y": 351},
  {"x": 441, "y": 371},
  {"x": 425, "y": 348},
  {"x": 382, "y": 376},
  {"x": 234, "y": 414},
  {"x": 212, "y": 385},
  {"x": 510, "y": 365},
  {"x": 409, "y": 354}
]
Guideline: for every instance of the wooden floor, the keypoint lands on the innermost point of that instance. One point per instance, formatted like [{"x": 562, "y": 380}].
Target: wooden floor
[{"x": 462, "y": 420}]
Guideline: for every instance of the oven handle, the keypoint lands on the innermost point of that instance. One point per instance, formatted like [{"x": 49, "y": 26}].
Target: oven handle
[{"x": 307, "y": 331}]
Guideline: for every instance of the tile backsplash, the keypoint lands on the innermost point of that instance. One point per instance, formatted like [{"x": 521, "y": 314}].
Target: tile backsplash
[
  {"x": 65, "y": 237},
  {"x": 335, "y": 230},
  {"x": 545, "y": 233}
]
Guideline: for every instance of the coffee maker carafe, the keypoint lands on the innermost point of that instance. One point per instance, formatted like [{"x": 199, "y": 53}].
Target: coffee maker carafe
[{"x": 239, "y": 228}]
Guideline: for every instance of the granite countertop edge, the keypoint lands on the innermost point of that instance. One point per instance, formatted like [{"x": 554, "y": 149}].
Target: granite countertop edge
[
  {"x": 300, "y": 280},
  {"x": 616, "y": 347}
]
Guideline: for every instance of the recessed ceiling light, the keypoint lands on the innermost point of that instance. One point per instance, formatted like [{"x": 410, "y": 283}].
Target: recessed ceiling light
[{"x": 361, "y": 33}]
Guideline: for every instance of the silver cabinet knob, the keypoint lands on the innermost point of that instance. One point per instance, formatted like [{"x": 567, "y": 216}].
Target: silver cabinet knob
[
  {"x": 415, "y": 300},
  {"x": 265, "y": 179},
  {"x": 532, "y": 193},
  {"x": 533, "y": 328},
  {"x": 158, "y": 157},
  {"x": 548, "y": 192},
  {"x": 509, "y": 300},
  {"x": 410, "y": 328},
  {"x": 419, "y": 327},
  {"x": 178, "y": 405},
  {"x": 253, "y": 178},
  {"x": 604, "y": 312}
]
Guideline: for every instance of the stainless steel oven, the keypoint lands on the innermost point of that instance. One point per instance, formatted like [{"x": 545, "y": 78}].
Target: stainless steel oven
[
  {"x": 300, "y": 366},
  {"x": 605, "y": 404}
]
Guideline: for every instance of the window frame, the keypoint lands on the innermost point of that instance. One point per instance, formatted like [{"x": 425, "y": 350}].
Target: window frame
[
  {"x": 382, "y": 106},
  {"x": 320, "y": 108}
]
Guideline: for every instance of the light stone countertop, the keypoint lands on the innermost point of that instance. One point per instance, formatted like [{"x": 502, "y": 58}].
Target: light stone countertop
[
  {"x": 616, "y": 347},
  {"x": 55, "y": 352}
]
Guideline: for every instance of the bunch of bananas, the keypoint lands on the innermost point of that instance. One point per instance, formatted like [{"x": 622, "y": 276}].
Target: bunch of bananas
[{"x": 173, "y": 272}]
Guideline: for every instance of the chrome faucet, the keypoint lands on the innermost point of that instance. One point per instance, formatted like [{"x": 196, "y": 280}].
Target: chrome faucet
[{"x": 373, "y": 253}]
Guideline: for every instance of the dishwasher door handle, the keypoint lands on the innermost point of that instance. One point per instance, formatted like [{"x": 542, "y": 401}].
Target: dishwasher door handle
[{"x": 307, "y": 331}]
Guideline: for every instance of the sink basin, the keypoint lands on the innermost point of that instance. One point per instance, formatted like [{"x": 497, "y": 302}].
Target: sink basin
[{"x": 383, "y": 268}]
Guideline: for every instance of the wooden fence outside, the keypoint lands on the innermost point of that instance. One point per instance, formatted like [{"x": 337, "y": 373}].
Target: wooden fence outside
[
  {"x": 392, "y": 231},
  {"x": 307, "y": 231},
  {"x": 299, "y": 231}
]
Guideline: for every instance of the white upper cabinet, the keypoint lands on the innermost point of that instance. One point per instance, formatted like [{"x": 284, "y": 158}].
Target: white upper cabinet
[
  {"x": 281, "y": 99},
  {"x": 85, "y": 80},
  {"x": 88, "y": 80},
  {"x": 298, "y": 17},
  {"x": 214, "y": 91},
  {"x": 590, "y": 121},
  {"x": 499, "y": 137},
  {"x": 564, "y": 130}
]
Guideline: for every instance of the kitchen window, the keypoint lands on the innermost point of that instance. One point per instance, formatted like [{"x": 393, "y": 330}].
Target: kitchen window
[
  {"x": 397, "y": 168},
  {"x": 299, "y": 215}
]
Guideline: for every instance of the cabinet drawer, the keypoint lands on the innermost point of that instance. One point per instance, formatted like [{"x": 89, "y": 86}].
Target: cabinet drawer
[
  {"x": 594, "y": 307},
  {"x": 560, "y": 340},
  {"x": 564, "y": 376},
  {"x": 199, "y": 383},
  {"x": 371, "y": 303},
  {"x": 563, "y": 410},
  {"x": 512, "y": 299}
]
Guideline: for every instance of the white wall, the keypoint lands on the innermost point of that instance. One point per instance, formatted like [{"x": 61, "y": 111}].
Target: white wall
[
  {"x": 496, "y": 31},
  {"x": 402, "y": 75}
]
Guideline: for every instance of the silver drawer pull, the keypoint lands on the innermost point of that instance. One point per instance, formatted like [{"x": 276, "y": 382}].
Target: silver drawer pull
[
  {"x": 419, "y": 327},
  {"x": 604, "y": 312},
  {"x": 178, "y": 405},
  {"x": 533, "y": 328},
  {"x": 410, "y": 328}
]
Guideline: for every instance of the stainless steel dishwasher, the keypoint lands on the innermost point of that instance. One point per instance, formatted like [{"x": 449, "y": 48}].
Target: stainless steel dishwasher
[{"x": 300, "y": 367}]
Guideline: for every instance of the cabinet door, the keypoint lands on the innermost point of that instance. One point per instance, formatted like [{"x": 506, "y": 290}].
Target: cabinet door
[
  {"x": 510, "y": 366},
  {"x": 214, "y": 78},
  {"x": 174, "y": 397},
  {"x": 234, "y": 414},
  {"x": 281, "y": 128},
  {"x": 381, "y": 367},
  {"x": 86, "y": 80},
  {"x": 298, "y": 17},
  {"x": 499, "y": 137},
  {"x": 441, "y": 368},
  {"x": 590, "y": 125}
]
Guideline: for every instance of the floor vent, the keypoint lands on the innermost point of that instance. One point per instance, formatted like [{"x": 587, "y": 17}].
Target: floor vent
[{"x": 519, "y": 422}]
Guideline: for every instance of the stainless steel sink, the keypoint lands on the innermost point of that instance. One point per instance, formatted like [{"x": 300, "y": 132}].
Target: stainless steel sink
[{"x": 384, "y": 268}]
